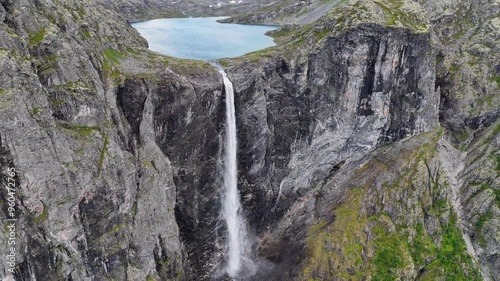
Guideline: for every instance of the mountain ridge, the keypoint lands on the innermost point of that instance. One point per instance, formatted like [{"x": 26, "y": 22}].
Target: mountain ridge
[{"x": 369, "y": 145}]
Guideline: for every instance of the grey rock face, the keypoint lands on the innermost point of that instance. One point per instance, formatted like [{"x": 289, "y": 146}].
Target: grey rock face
[
  {"x": 117, "y": 151},
  {"x": 96, "y": 194},
  {"x": 301, "y": 118},
  {"x": 187, "y": 123},
  {"x": 479, "y": 197},
  {"x": 174, "y": 105},
  {"x": 465, "y": 35}
]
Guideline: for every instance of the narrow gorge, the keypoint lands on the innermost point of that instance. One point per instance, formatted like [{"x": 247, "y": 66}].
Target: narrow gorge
[{"x": 363, "y": 145}]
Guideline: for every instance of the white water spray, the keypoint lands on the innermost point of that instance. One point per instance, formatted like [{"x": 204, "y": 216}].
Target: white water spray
[{"x": 237, "y": 264}]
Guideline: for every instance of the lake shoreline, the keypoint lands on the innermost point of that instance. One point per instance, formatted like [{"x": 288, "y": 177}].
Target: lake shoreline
[{"x": 204, "y": 38}]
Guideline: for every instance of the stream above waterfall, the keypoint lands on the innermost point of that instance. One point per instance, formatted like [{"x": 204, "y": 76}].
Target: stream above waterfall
[{"x": 203, "y": 38}]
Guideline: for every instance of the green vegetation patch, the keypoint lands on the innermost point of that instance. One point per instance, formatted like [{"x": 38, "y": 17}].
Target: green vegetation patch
[
  {"x": 6, "y": 98},
  {"x": 395, "y": 15},
  {"x": 84, "y": 131},
  {"x": 422, "y": 247},
  {"x": 485, "y": 186},
  {"x": 117, "y": 227},
  {"x": 113, "y": 56},
  {"x": 134, "y": 210},
  {"x": 481, "y": 221},
  {"x": 103, "y": 153},
  {"x": 43, "y": 216},
  {"x": 336, "y": 251},
  {"x": 261, "y": 54},
  {"x": 496, "y": 191},
  {"x": 452, "y": 256},
  {"x": 87, "y": 34},
  {"x": 56, "y": 102},
  {"x": 391, "y": 250},
  {"x": 496, "y": 79},
  {"x": 378, "y": 247},
  {"x": 453, "y": 261},
  {"x": 37, "y": 37},
  {"x": 47, "y": 64},
  {"x": 110, "y": 64},
  {"x": 35, "y": 111},
  {"x": 74, "y": 87}
]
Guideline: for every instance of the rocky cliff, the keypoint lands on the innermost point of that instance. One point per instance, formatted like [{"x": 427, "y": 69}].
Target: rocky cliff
[
  {"x": 83, "y": 120},
  {"x": 368, "y": 146},
  {"x": 324, "y": 56}
]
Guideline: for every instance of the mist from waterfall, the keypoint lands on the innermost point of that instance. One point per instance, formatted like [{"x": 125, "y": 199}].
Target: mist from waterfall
[{"x": 238, "y": 264}]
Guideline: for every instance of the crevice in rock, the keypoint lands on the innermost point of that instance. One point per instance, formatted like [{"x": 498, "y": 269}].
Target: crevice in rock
[
  {"x": 131, "y": 97},
  {"x": 7, "y": 6},
  {"x": 166, "y": 268},
  {"x": 364, "y": 103}
]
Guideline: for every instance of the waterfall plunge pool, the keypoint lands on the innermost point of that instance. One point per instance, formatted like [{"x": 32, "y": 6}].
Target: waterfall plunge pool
[{"x": 203, "y": 38}]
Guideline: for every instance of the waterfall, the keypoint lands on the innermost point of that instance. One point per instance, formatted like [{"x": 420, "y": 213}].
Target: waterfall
[{"x": 237, "y": 263}]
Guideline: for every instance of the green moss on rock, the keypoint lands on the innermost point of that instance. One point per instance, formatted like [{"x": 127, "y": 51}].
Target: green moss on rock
[
  {"x": 392, "y": 243},
  {"x": 82, "y": 130},
  {"x": 110, "y": 65},
  {"x": 336, "y": 251},
  {"x": 43, "y": 216},
  {"x": 103, "y": 153},
  {"x": 453, "y": 261},
  {"x": 36, "y": 38},
  {"x": 422, "y": 247}
]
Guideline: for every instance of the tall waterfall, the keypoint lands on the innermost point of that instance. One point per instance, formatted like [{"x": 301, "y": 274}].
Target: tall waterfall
[{"x": 237, "y": 264}]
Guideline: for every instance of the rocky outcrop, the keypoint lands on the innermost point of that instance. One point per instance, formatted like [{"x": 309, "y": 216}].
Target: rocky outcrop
[
  {"x": 466, "y": 36},
  {"x": 136, "y": 10},
  {"x": 301, "y": 157},
  {"x": 82, "y": 125},
  {"x": 345, "y": 172},
  {"x": 302, "y": 117},
  {"x": 385, "y": 215},
  {"x": 479, "y": 197}
]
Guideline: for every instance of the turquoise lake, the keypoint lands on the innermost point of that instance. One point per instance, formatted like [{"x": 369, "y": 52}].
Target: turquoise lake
[{"x": 203, "y": 38}]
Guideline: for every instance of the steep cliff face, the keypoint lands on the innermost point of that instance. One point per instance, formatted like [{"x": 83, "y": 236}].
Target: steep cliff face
[
  {"x": 82, "y": 106},
  {"x": 479, "y": 196},
  {"x": 305, "y": 129},
  {"x": 466, "y": 36},
  {"x": 302, "y": 117},
  {"x": 384, "y": 216},
  {"x": 345, "y": 172}
]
